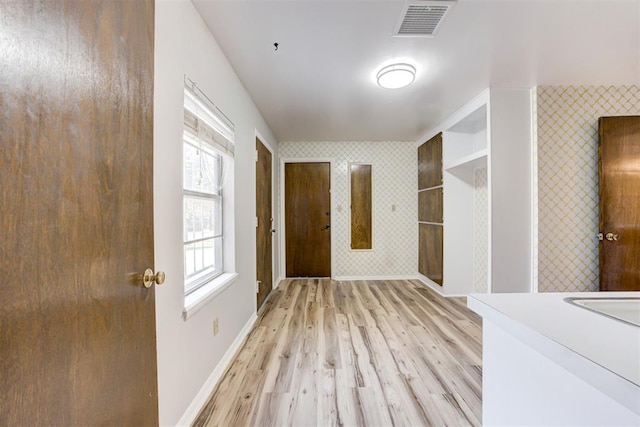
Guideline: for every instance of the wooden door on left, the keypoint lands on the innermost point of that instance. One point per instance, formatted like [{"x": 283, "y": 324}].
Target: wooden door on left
[
  {"x": 77, "y": 328},
  {"x": 264, "y": 225}
]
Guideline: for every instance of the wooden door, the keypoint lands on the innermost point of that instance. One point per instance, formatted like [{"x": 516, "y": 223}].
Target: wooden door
[
  {"x": 77, "y": 329},
  {"x": 308, "y": 219},
  {"x": 264, "y": 226},
  {"x": 619, "y": 187}
]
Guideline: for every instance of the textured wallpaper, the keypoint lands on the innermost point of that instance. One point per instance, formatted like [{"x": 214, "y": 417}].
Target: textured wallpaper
[
  {"x": 395, "y": 183},
  {"x": 480, "y": 231},
  {"x": 567, "y": 134}
]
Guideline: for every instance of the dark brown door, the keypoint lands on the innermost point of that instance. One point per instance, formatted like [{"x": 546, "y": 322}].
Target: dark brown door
[
  {"x": 307, "y": 206},
  {"x": 77, "y": 329},
  {"x": 264, "y": 227},
  {"x": 619, "y": 173}
]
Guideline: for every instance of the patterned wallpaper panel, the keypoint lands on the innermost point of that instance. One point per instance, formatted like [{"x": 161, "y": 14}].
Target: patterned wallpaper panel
[
  {"x": 480, "y": 231},
  {"x": 567, "y": 134},
  {"x": 395, "y": 205}
]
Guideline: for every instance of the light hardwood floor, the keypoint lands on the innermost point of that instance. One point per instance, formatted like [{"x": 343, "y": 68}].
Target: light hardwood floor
[{"x": 374, "y": 353}]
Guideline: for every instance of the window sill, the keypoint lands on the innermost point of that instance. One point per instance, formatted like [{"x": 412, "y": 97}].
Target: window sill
[{"x": 203, "y": 295}]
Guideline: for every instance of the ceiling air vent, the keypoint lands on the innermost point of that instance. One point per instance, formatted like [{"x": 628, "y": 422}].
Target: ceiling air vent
[{"x": 422, "y": 18}]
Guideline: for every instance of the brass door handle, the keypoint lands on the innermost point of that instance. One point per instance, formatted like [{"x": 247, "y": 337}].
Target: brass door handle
[
  {"x": 148, "y": 278},
  {"x": 612, "y": 237}
]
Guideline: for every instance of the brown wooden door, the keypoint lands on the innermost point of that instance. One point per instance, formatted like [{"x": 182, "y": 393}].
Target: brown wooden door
[
  {"x": 619, "y": 187},
  {"x": 77, "y": 329},
  {"x": 308, "y": 219},
  {"x": 264, "y": 227}
]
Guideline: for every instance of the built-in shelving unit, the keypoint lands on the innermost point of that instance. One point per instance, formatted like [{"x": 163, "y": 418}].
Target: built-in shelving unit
[
  {"x": 477, "y": 159},
  {"x": 486, "y": 158},
  {"x": 430, "y": 236},
  {"x": 465, "y": 150}
]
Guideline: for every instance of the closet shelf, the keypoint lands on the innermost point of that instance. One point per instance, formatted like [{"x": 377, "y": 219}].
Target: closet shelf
[{"x": 474, "y": 160}]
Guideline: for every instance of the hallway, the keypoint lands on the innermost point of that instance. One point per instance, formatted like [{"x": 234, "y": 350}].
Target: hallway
[{"x": 354, "y": 353}]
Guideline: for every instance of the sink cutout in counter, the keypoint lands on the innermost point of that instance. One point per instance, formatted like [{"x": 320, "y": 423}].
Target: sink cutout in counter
[{"x": 625, "y": 310}]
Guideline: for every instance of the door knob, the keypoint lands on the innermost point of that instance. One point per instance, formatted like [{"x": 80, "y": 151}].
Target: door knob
[
  {"x": 148, "y": 278},
  {"x": 612, "y": 237},
  {"x": 326, "y": 227}
]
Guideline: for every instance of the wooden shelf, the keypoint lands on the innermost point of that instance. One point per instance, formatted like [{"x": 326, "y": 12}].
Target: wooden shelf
[{"x": 474, "y": 160}]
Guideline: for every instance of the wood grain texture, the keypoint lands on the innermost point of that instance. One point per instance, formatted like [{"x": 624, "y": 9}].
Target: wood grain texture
[
  {"x": 307, "y": 210},
  {"x": 430, "y": 251},
  {"x": 264, "y": 237},
  {"x": 430, "y": 209},
  {"x": 361, "y": 206},
  {"x": 430, "y": 206},
  {"x": 77, "y": 332},
  {"x": 619, "y": 191},
  {"x": 375, "y": 353},
  {"x": 430, "y": 163}
]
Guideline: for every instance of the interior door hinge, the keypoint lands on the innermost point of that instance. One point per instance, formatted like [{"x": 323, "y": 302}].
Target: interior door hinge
[
  {"x": 256, "y": 222},
  {"x": 258, "y": 286},
  {"x": 256, "y": 156}
]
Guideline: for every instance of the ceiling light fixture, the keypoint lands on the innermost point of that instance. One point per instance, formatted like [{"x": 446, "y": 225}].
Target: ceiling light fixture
[{"x": 395, "y": 76}]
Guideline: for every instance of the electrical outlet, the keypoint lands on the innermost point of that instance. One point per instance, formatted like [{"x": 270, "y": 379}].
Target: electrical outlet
[{"x": 215, "y": 326}]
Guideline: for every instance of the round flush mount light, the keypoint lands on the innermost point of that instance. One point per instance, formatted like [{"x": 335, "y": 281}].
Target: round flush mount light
[{"x": 395, "y": 76}]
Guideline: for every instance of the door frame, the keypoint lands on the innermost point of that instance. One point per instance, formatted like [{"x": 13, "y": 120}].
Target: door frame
[
  {"x": 274, "y": 236},
  {"x": 283, "y": 249}
]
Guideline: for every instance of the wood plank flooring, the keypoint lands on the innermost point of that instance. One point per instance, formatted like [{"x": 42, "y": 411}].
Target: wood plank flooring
[{"x": 354, "y": 353}]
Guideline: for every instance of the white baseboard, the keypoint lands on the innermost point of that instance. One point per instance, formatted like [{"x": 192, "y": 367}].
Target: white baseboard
[
  {"x": 205, "y": 391},
  {"x": 277, "y": 283},
  {"x": 436, "y": 288},
  {"x": 430, "y": 284},
  {"x": 338, "y": 278}
]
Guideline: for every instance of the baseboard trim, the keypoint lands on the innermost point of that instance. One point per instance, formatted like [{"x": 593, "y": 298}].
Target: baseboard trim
[
  {"x": 278, "y": 281},
  {"x": 338, "y": 278},
  {"x": 437, "y": 288},
  {"x": 431, "y": 284},
  {"x": 205, "y": 391}
]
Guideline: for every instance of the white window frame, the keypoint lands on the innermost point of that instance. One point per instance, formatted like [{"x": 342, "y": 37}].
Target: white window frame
[
  {"x": 208, "y": 130},
  {"x": 203, "y": 275}
]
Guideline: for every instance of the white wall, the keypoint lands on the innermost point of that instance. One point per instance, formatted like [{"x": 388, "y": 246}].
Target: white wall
[
  {"x": 395, "y": 183},
  {"x": 187, "y": 350},
  {"x": 510, "y": 189}
]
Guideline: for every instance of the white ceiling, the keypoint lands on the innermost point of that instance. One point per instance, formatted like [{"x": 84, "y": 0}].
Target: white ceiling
[{"x": 319, "y": 84}]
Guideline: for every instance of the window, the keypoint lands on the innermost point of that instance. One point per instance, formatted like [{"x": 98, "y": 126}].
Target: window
[{"x": 207, "y": 154}]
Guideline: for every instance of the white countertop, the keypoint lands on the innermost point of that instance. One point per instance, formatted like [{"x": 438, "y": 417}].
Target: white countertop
[{"x": 581, "y": 341}]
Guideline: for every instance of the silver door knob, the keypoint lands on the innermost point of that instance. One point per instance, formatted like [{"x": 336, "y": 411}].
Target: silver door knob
[{"x": 612, "y": 237}]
